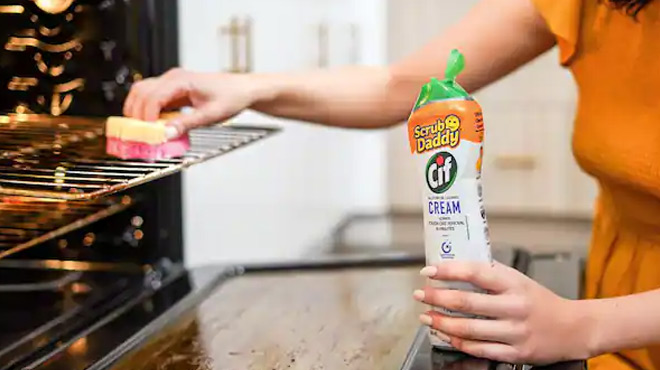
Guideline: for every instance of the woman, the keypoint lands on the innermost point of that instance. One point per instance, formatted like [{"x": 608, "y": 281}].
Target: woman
[{"x": 612, "y": 49}]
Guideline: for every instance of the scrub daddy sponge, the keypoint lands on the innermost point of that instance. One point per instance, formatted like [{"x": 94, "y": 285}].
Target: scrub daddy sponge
[{"x": 129, "y": 138}]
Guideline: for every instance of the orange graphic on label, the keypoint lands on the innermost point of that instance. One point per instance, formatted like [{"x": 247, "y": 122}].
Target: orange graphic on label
[
  {"x": 444, "y": 124},
  {"x": 480, "y": 160}
]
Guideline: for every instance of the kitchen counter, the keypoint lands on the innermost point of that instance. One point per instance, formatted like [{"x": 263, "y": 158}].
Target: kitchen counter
[
  {"x": 360, "y": 318},
  {"x": 329, "y": 317}
]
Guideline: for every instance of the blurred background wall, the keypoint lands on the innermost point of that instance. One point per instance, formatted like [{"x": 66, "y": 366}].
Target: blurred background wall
[{"x": 285, "y": 197}]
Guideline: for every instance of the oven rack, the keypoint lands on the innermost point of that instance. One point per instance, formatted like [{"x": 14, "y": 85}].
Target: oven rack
[
  {"x": 65, "y": 158},
  {"x": 27, "y": 222}
]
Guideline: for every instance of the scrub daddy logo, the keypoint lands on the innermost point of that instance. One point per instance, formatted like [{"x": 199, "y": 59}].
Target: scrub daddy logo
[
  {"x": 441, "y": 134},
  {"x": 441, "y": 172}
]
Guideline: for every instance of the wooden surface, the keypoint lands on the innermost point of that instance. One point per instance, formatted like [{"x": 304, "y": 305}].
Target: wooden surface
[{"x": 341, "y": 319}]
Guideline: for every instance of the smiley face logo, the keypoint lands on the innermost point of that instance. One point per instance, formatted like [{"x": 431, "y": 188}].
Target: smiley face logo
[{"x": 452, "y": 122}]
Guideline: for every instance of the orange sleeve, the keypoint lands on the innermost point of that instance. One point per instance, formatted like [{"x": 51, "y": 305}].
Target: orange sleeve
[{"x": 563, "y": 18}]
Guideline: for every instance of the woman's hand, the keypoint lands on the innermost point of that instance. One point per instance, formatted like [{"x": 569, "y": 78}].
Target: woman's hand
[
  {"x": 527, "y": 322},
  {"x": 214, "y": 97}
]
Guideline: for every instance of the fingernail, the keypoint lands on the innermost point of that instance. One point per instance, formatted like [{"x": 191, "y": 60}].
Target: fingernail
[
  {"x": 171, "y": 132},
  {"x": 426, "y": 319},
  {"x": 419, "y": 295},
  {"x": 428, "y": 271},
  {"x": 442, "y": 336}
]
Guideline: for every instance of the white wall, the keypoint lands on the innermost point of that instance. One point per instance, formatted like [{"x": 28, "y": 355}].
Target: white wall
[
  {"x": 281, "y": 198},
  {"x": 269, "y": 201}
]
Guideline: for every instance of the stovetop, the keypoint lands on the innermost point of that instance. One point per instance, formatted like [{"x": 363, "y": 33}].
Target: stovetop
[{"x": 56, "y": 319}]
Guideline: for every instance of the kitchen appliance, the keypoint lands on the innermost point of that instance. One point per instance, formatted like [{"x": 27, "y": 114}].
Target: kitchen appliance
[
  {"x": 352, "y": 311},
  {"x": 334, "y": 312},
  {"x": 91, "y": 247}
]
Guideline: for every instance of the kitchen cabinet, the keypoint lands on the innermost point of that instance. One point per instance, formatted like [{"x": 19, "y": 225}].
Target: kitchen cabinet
[
  {"x": 245, "y": 36},
  {"x": 268, "y": 36},
  {"x": 276, "y": 200}
]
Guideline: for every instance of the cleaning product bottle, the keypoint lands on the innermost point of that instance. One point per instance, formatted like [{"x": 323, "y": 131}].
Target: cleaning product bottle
[{"x": 446, "y": 132}]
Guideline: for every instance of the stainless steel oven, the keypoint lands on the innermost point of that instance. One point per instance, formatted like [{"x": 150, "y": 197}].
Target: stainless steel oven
[{"x": 91, "y": 247}]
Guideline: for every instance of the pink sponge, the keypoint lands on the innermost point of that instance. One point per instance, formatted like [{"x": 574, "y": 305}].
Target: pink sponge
[{"x": 129, "y": 138}]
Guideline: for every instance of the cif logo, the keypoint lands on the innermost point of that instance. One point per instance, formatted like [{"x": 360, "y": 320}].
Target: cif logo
[
  {"x": 445, "y": 247},
  {"x": 441, "y": 172}
]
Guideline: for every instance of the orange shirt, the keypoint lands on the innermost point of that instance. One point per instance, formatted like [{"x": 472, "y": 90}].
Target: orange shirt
[{"x": 615, "y": 61}]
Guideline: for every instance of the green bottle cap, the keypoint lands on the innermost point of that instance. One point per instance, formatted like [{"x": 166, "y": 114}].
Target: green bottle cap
[{"x": 447, "y": 88}]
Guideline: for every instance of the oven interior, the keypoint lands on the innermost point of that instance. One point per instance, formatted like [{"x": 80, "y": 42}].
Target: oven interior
[{"x": 85, "y": 237}]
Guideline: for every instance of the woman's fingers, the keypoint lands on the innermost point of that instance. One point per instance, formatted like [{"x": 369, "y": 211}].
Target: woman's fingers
[
  {"x": 147, "y": 98},
  {"x": 490, "y": 350},
  {"x": 491, "y": 277},
  {"x": 472, "y": 329},
  {"x": 134, "y": 102},
  {"x": 138, "y": 96},
  {"x": 468, "y": 363},
  {"x": 129, "y": 103},
  {"x": 163, "y": 94},
  {"x": 495, "y": 306},
  {"x": 178, "y": 88},
  {"x": 152, "y": 99},
  {"x": 185, "y": 122}
]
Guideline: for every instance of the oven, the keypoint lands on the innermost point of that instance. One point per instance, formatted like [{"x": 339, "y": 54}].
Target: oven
[{"x": 91, "y": 247}]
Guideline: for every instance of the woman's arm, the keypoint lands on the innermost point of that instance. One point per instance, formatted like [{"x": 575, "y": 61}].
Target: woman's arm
[
  {"x": 497, "y": 36},
  {"x": 628, "y": 322}
]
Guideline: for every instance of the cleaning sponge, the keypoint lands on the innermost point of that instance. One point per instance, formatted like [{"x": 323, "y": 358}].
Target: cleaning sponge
[{"x": 129, "y": 138}]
